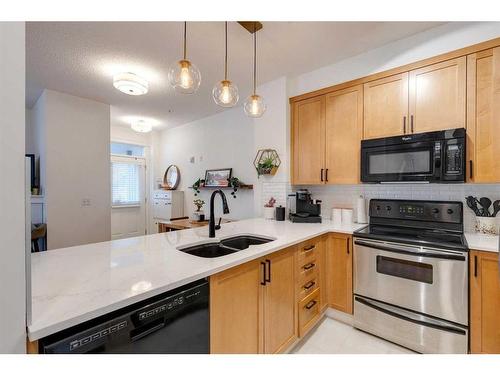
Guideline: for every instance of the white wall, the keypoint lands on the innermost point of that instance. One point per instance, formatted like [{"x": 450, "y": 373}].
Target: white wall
[
  {"x": 224, "y": 140},
  {"x": 435, "y": 41},
  {"x": 12, "y": 189},
  {"x": 74, "y": 160}
]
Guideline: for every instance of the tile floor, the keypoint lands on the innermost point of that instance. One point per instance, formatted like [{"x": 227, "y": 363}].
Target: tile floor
[{"x": 334, "y": 337}]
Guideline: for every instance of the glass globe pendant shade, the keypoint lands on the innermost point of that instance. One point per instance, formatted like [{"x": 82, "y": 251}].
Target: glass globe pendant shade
[
  {"x": 254, "y": 106},
  {"x": 225, "y": 94},
  {"x": 184, "y": 77}
]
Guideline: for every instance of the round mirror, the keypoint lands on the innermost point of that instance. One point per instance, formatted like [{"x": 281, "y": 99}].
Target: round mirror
[{"x": 171, "y": 177}]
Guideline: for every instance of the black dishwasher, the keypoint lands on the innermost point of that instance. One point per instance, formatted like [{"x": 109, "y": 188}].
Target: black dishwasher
[{"x": 176, "y": 322}]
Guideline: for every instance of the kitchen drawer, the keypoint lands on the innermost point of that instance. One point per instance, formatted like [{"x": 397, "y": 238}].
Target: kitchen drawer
[
  {"x": 308, "y": 249},
  {"x": 309, "y": 312},
  {"x": 309, "y": 285},
  {"x": 307, "y": 270}
]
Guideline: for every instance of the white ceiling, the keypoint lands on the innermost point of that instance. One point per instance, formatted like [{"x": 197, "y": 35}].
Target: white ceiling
[{"x": 80, "y": 58}]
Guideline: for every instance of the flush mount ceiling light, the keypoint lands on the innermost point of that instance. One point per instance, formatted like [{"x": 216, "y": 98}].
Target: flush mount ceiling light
[
  {"x": 254, "y": 106},
  {"x": 225, "y": 93},
  {"x": 130, "y": 84},
  {"x": 183, "y": 75},
  {"x": 141, "y": 126}
]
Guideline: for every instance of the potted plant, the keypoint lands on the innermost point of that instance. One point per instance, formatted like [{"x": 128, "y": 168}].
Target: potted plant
[
  {"x": 199, "y": 214},
  {"x": 269, "y": 209},
  {"x": 266, "y": 166}
]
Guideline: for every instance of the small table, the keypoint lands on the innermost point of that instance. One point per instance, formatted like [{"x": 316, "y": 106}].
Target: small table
[{"x": 184, "y": 224}]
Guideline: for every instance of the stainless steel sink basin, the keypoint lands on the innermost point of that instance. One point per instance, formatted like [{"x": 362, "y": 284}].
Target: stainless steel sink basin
[
  {"x": 225, "y": 247},
  {"x": 244, "y": 241}
]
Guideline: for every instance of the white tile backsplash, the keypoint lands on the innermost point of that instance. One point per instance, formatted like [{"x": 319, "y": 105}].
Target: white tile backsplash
[{"x": 345, "y": 195}]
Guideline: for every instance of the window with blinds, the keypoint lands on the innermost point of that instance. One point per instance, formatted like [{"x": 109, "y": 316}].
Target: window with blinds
[{"x": 125, "y": 183}]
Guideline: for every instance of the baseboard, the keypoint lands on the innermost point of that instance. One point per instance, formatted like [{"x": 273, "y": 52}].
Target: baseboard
[{"x": 340, "y": 316}]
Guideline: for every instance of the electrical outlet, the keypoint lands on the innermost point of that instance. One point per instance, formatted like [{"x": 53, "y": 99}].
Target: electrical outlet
[
  {"x": 192, "y": 159},
  {"x": 85, "y": 202}
]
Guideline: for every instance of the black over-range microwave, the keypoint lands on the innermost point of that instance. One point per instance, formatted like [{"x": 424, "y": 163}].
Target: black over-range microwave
[{"x": 437, "y": 157}]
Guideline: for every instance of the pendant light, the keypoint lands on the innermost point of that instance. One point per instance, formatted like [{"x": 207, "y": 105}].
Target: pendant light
[
  {"x": 183, "y": 75},
  {"x": 254, "y": 105},
  {"x": 225, "y": 93}
]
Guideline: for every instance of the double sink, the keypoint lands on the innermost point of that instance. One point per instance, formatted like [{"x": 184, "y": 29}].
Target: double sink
[{"x": 225, "y": 246}]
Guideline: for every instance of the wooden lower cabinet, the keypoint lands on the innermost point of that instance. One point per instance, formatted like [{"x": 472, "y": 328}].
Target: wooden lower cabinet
[
  {"x": 338, "y": 268},
  {"x": 484, "y": 302},
  {"x": 248, "y": 317}
]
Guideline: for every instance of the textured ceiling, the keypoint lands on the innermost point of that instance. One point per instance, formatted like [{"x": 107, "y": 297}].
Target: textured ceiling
[{"x": 80, "y": 58}]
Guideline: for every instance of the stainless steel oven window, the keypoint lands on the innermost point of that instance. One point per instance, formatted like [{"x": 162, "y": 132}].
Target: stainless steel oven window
[
  {"x": 405, "y": 269},
  {"x": 400, "y": 162}
]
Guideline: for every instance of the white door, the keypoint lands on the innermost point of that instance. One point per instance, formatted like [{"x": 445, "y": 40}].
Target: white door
[{"x": 128, "y": 199}]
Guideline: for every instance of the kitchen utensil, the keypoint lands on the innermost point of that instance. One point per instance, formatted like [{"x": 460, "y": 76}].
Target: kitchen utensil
[
  {"x": 496, "y": 208},
  {"x": 472, "y": 204},
  {"x": 486, "y": 203}
]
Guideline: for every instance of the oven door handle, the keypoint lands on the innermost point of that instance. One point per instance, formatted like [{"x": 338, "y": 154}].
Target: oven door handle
[
  {"x": 410, "y": 251},
  {"x": 411, "y": 317}
]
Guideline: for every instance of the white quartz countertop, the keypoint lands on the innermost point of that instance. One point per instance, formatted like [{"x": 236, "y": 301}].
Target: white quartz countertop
[
  {"x": 484, "y": 242},
  {"x": 73, "y": 285}
]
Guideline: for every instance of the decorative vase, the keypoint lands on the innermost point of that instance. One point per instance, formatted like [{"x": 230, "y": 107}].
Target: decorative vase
[
  {"x": 487, "y": 225},
  {"x": 269, "y": 213}
]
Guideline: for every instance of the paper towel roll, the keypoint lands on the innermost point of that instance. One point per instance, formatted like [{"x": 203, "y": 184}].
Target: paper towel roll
[{"x": 361, "y": 210}]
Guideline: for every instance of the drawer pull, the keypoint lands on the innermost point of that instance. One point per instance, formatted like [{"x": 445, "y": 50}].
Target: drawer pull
[
  {"x": 308, "y": 266},
  {"x": 310, "y": 305},
  {"x": 309, "y": 285},
  {"x": 309, "y": 248}
]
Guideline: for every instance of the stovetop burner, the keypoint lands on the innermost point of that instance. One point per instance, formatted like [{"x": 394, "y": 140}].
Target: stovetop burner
[{"x": 423, "y": 223}]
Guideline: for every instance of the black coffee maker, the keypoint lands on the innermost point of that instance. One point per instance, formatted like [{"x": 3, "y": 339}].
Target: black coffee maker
[{"x": 303, "y": 209}]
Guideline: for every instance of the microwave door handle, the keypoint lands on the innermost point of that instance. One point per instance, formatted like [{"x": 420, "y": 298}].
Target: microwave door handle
[
  {"x": 410, "y": 316},
  {"x": 428, "y": 253}
]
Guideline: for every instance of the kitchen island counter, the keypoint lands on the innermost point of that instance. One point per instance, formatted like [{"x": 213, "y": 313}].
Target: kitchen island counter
[{"x": 76, "y": 284}]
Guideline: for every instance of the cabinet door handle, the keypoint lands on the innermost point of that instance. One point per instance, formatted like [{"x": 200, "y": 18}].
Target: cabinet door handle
[
  {"x": 321, "y": 175},
  {"x": 348, "y": 246},
  {"x": 326, "y": 174},
  {"x": 308, "y": 266},
  {"x": 309, "y": 285},
  {"x": 268, "y": 278},
  {"x": 404, "y": 124},
  {"x": 475, "y": 265},
  {"x": 310, "y": 305},
  {"x": 309, "y": 248},
  {"x": 411, "y": 123},
  {"x": 470, "y": 169},
  {"x": 263, "y": 282}
]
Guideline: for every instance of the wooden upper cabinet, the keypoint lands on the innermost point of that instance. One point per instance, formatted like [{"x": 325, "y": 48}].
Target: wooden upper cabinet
[
  {"x": 339, "y": 272},
  {"x": 236, "y": 310},
  {"x": 308, "y": 141},
  {"x": 386, "y": 107},
  {"x": 483, "y": 116},
  {"x": 437, "y": 96},
  {"x": 344, "y": 129},
  {"x": 280, "y": 317},
  {"x": 484, "y": 302}
]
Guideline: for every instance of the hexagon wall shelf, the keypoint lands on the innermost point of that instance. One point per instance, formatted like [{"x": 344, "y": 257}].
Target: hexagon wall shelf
[{"x": 267, "y": 162}]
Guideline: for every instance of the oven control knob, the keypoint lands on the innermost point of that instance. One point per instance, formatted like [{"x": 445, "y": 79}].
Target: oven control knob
[
  {"x": 388, "y": 208},
  {"x": 435, "y": 211},
  {"x": 449, "y": 211},
  {"x": 378, "y": 208}
]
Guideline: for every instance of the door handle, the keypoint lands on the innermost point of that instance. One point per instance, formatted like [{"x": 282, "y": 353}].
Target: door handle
[
  {"x": 404, "y": 124},
  {"x": 309, "y": 285},
  {"x": 321, "y": 175},
  {"x": 475, "y": 265},
  {"x": 263, "y": 266},
  {"x": 470, "y": 169},
  {"x": 268, "y": 278},
  {"x": 411, "y": 123},
  {"x": 326, "y": 174},
  {"x": 348, "y": 246},
  {"x": 309, "y": 248}
]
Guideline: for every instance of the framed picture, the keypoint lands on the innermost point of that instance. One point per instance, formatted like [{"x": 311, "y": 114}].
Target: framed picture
[{"x": 218, "y": 177}]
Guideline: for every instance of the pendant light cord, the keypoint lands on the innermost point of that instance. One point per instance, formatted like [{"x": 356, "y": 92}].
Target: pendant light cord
[
  {"x": 225, "y": 57},
  {"x": 185, "y": 33},
  {"x": 254, "y": 56}
]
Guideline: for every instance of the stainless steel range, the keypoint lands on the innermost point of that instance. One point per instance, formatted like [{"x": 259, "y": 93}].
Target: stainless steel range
[{"x": 411, "y": 275}]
